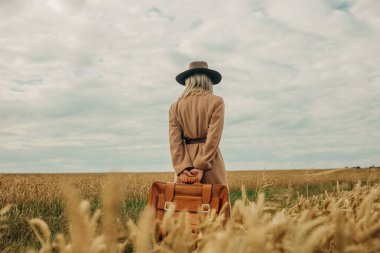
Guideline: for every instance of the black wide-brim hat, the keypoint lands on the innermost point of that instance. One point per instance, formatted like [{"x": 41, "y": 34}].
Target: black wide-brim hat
[{"x": 199, "y": 67}]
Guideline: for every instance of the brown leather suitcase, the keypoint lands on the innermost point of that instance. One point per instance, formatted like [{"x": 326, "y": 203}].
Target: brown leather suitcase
[{"x": 192, "y": 198}]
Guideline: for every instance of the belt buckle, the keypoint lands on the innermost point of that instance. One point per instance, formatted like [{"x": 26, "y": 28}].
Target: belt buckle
[
  {"x": 203, "y": 208},
  {"x": 167, "y": 205}
]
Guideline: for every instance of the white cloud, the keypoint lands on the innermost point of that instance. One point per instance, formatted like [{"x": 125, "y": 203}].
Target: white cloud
[{"x": 86, "y": 85}]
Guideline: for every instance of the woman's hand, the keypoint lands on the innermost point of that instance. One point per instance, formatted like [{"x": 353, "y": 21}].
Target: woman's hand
[
  {"x": 184, "y": 174},
  {"x": 197, "y": 173}
]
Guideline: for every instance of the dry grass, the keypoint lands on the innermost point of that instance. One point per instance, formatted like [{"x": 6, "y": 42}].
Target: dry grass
[
  {"x": 295, "y": 217},
  {"x": 342, "y": 221}
]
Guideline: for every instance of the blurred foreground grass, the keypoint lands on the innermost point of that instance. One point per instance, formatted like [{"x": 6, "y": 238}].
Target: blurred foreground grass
[{"x": 32, "y": 198}]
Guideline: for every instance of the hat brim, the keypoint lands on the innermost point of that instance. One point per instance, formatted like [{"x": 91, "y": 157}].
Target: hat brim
[{"x": 214, "y": 75}]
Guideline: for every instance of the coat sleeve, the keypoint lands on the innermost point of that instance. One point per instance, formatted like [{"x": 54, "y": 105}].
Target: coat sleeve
[
  {"x": 214, "y": 133},
  {"x": 178, "y": 150}
]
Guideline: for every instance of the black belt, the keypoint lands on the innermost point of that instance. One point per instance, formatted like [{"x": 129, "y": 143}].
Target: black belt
[{"x": 194, "y": 140}]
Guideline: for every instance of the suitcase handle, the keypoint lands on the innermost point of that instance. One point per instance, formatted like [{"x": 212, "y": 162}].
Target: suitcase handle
[{"x": 191, "y": 180}]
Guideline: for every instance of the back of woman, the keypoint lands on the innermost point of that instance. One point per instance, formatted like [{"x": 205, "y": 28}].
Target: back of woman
[{"x": 195, "y": 128}]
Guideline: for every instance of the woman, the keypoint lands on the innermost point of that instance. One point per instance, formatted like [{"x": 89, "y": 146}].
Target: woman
[{"x": 195, "y": 127}]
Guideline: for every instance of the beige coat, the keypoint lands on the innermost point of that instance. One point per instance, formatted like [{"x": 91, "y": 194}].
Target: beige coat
[{"x": 198, "y": 116}]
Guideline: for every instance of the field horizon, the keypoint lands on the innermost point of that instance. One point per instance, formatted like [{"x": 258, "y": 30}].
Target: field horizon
[{"x": 8, "y": 171}]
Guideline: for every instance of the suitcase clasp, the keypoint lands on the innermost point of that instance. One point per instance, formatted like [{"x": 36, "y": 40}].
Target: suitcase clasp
[
  {"x": 167, "y": 205},
  {"x": 207, "y": 209}
]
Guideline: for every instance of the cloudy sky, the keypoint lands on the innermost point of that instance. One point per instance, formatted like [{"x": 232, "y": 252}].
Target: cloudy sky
[{"x": 86, "y": 85}]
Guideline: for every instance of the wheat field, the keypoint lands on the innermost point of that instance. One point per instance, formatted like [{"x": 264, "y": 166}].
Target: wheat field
[{"x": 335, "y": 210}]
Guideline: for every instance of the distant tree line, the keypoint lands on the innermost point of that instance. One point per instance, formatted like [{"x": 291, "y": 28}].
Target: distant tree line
[{"x": 358, "y": 167}]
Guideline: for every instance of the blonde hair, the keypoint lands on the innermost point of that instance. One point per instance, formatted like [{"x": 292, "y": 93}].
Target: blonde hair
[{"x": 197, "y": 84}]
